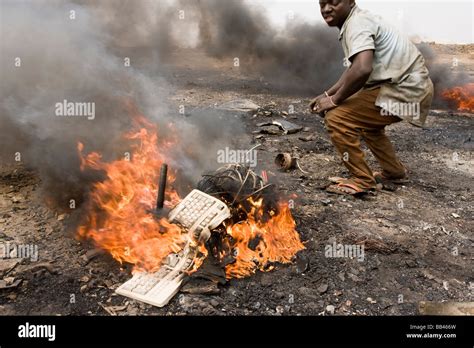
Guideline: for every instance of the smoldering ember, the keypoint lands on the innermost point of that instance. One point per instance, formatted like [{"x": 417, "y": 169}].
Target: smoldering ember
[{"x": 218, "y": 168}]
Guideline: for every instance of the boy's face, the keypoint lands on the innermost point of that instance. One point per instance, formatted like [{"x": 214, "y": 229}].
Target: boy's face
[{"x": 335, "y": 12}]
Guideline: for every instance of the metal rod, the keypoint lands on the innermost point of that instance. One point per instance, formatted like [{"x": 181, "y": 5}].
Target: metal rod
[{"x": 162, "y": 187}]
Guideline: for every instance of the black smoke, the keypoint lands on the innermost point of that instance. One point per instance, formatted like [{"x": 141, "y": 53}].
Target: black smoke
[{"x": 299, "y": 58}]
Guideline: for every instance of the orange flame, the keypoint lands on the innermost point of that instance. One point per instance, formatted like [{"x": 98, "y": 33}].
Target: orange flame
[
  {"x": 118, "y": 215},
  {"x": 278, "y": 241},
  {"x": 118, "y": 218},
  {"x": 462, "y": 97}
]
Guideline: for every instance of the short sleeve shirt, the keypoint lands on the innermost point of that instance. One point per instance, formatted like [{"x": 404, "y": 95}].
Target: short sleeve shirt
[{"x": 398, "y": 68}]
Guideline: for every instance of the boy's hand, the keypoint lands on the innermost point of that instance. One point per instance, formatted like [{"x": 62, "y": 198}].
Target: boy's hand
[
  {"x": 322, "y": 105},
  {"x": 315, "y": 102}
]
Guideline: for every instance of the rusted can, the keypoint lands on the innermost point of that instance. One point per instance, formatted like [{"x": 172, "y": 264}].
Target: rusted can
[{"x": 285, "y": 161}]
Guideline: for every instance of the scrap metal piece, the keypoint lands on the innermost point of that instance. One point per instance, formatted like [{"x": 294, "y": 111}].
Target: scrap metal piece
[
  {"x": 9, "y": 283},
  {"x": 285, "y": 161},
  {"x": 243, "y": 105},
  {"x": 270, "y": 130},
  {"x": 286, "y": 126},
  {"x": 162, "y": 187}
]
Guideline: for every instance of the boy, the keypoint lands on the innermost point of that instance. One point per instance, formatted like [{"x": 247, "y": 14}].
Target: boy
[{"x": 386, "y": 81}]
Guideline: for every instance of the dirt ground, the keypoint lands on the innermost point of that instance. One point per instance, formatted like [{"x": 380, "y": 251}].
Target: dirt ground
[{"x": 418, "y": 239}]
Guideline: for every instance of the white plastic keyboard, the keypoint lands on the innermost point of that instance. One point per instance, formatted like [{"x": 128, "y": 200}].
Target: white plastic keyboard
[{"x": 198, "y": 214}]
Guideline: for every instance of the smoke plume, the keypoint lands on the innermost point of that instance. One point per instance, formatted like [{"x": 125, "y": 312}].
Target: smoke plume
[
  {"x": 84, "y": 52},
  {"x": 300, "y": 58},
  {"x": 443, "y": 75}
]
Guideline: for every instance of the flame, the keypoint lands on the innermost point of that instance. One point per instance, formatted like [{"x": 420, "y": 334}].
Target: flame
[
  {"x": 118, "y": 215},
  {"x": 462, "y": 97},
  {"x": 278, "y": 240},
  {"x": 118, "y": 218}
]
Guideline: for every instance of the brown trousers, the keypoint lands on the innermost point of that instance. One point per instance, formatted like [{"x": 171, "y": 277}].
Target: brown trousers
[{"x": 358, "y": 117}]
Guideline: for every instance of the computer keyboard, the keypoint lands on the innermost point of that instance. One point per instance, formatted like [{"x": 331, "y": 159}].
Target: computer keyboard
[{"x": 198, "y": 214}]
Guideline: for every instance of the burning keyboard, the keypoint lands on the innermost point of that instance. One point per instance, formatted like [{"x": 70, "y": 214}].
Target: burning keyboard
[{"x": 198, "y": 214}]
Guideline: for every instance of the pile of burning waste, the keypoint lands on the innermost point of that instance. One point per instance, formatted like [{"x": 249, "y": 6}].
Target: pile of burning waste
[
  {"x": 234, "y": 219},
  {"x": 460, "y": 97}
]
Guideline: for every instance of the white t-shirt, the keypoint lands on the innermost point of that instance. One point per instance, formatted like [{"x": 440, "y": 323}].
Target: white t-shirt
[{"x": 398, "y": 68}]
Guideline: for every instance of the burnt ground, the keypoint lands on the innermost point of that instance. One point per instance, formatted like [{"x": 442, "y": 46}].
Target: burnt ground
[{"x": 419, "y": 239}]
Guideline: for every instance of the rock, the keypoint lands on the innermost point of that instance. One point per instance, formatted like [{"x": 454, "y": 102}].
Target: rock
[
  {"x": 354, "y": 278},
  {"x": 279, "y": 310},
  {"x": 309, "y": 293},
  {"x": 61, "y": 217},
  {"x": 302, "y": 263},
  {"x": 428, "y": 275},
  {"x": 109, "y": 284},
  {"x": 330, "y": 309},
  {"x": 85, "y": 279},
  {"x": 323, "y": 288},
  {"x": 456, "y": 216},
  {"x": 214, "y": 303},
  {"x": 326, "y": 202},
  {"x": 311, "y": 308},
  {"x": 17, "y": 199},
  {"x": 279, "y": 295},
  {"x": 370, "y": 300},
  {"x": 311, "y": 137},
  {"x": 385, "y": 303},
  {"x": 354, "y": 271}
]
